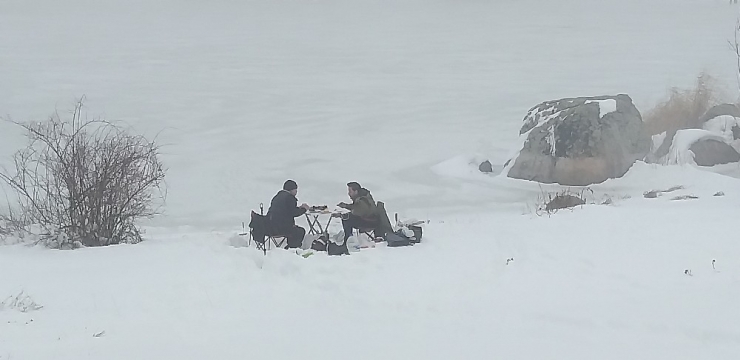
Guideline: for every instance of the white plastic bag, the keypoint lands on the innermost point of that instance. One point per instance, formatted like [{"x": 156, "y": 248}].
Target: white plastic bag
[
  {"x": 353, "y": 244},
  {"x": 308, "y": 241}
]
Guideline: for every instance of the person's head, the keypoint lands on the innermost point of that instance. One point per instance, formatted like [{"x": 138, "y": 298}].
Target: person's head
[
  {"x": 291, "y": 187},
  {"x": 353, "y": 189}
]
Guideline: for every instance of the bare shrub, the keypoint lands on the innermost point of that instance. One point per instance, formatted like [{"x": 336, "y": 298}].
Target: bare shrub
[
  {"x": 4, "y": 226},
  {"x": 21, "y": 302},
  {"x": 85, "y": 182},
  {"x": 550, "y": 203},
  {"x": 684, "y": 107},
  {"x": 735, "y": 46}
]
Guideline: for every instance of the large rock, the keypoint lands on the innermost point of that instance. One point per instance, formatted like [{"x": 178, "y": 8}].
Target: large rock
[
  {"x": 486, "y": 167},
  {"x": 700, "y": 147},
  {"x": 720, "y": 110},
  {"x": 580, "y": 141},
  {"x": 724, "y": 120},
  {"x": 719, "y": 118},
  {"x": 709, "y": 152}
]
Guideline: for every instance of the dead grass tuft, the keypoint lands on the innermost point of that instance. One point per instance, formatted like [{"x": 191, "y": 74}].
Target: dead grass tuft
[{"x": 684, "y": 107}]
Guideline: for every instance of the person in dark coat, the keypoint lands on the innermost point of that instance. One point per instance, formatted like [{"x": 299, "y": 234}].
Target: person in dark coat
[
  {"x": 364, "y": 212},
  {"x": 282, "y": 213}
]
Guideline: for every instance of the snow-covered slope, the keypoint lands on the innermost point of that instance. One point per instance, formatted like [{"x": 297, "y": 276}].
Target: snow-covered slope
[{"x": 598, "y": 282}]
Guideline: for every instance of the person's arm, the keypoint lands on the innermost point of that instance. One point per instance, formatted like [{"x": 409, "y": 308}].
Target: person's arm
[
  {"x": 297, "y": 210},
  {"x": 344, "y": 205},
  {"x": 362, "y": 209}
]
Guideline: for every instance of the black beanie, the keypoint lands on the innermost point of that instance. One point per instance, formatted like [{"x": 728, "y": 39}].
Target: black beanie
[{"x": 290, "y": 185}]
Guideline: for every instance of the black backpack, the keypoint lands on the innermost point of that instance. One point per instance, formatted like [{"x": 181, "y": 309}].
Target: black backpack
[
  {"x": 396, "y": 239},
  {"x": 331, "y": 248}
]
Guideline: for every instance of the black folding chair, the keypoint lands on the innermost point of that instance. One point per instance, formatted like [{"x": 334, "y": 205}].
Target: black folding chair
[
  {"x": 260, "y": 234},
  {"x": 383, "y": 226}
]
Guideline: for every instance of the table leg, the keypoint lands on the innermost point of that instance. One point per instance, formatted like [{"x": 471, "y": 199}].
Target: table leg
[
  {"x": 312, "y": 224},
  {"x": 328, "y": 223},
  {"x": 319, "y": 225}
]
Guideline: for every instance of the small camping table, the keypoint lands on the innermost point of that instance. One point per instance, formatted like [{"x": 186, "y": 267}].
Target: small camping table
[{"x": 315, "y": 228}]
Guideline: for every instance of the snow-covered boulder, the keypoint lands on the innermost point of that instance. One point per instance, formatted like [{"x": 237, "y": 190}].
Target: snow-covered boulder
[
  {"x": 713, "y": 152},
  {"x": 723, "y": 119},
  {"x": 730, "y": 110},
  {"x": 700, "y": 147},
  {"x": 579, "y": 141},
  {"x": 486, "y": 167},
  {"x": 726, "y": 125},
  {"x": 720, "y": 119}
]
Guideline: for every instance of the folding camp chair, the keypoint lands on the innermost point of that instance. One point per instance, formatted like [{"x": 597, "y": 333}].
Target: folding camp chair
[
  {"x": 382, "y": 228},
  {"x": 260, "y": 233},
  {"x": 279, "y": 241}
]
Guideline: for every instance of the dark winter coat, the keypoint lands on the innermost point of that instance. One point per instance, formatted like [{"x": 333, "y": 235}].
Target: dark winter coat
[{"x": 283, "y": 211}]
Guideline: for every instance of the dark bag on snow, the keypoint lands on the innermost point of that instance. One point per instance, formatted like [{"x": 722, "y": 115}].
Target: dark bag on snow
[
  {"x": 397, "y": 239},
  {"x": 324, "y": 244},
  {"x": 336, "y": 249},
  {"x": 321, "y": 243},
  {"x": 417, "y": 234},
  {"x": 318, "y": 245}
]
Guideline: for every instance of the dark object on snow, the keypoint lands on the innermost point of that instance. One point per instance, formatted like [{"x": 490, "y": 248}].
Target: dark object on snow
[
  {"x": 719, "y": 193},
  {"x": 259, "y": 226},
  {"x": 417, "y": 234},
  {"x": 384, "y": 223},
  {"x": 736, "y": 132},
  {"x": 581, "y": 141},
  {"x": 336, "y": 249},
  {"x": 652, "y": 194},
  {"x": 397, "y": 239},
  {"x": 564, "y": 201},
  {"x": 486, "y": 167},
  {"x": 319, "y": 244},
  {"x": 711, "y": 152},
  {"x": 324, "y": 244},
  {"x": 261, "y": 232}
]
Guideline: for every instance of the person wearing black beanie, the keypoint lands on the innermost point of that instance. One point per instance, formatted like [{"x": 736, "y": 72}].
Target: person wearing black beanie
[
  {"x": 282, "y": 213},
  {"x": 290, "y": 185}
]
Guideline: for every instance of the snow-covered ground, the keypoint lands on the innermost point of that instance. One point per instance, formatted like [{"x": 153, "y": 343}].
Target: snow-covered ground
[
  {"x": 600, "y": 282},
  {"x": 406, "y": 97}
]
